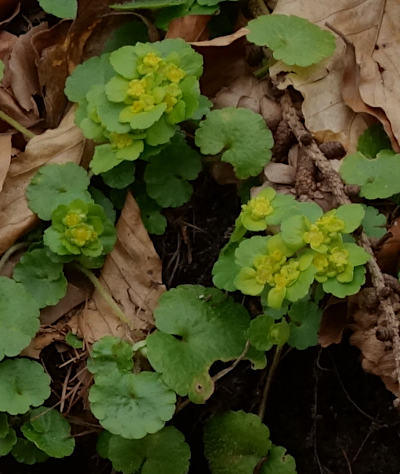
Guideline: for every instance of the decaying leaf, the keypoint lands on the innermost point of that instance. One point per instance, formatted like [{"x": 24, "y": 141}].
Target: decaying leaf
[
  {"x": 63, "y": 144},
  {"x": 5, "y": 157},
  {"x": 189, "y": 28},
  {"x": 389, "y": 254},
  {"x": 132, "y": 275}
]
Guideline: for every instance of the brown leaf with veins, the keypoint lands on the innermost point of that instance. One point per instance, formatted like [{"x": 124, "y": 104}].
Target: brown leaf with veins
[
  {"x": 61, "y": 145},
  {"x": 189, "y": 28},
  {"x": 132, "y": 275}
]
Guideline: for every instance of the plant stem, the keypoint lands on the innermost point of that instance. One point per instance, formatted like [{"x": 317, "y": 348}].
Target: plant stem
[
  {"x": 274, "y": 365},
  {"x": 14, "y": 248},
  {"x": 16, "y": 125},
  {"x": 103, "y": 292}
]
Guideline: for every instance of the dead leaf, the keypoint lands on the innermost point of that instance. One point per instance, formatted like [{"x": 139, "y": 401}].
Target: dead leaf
[
  {"x": 222, "y": 40},
  {"x": 132, "y": 275},
  {"x": 280, "y": 173},
  {"x": 189, "y": 28},
  {"x": 9, "y": 9},
  {"x": 334, "y": 321},
  {"x": 388, "y": 255},
  {"x": 46, "y": 337},
  {"x": 61, "y": 145},
  {"x": 5, "y": 157}
]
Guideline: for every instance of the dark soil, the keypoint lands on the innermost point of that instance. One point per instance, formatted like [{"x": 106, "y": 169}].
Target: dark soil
[{"x": 329, "y": 414}]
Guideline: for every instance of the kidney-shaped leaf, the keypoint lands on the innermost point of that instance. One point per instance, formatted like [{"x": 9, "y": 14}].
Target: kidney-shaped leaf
[
  {"x": 279, "y": 462},
  {"x": 26, "y": 452}
]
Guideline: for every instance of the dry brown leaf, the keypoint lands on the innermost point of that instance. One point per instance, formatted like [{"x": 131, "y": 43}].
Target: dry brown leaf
[
  {"x": 132, "y": 275},
  {"x": 61, "y": 145},
  {"x": 9, "y": 9},
  {"x": 189, "y": 28},
  {"x": 5, "y": 157},
  {"x": 46, "y": 337},
  {"x": 280, "y": 173},
  {"x": 388, "y": 255},
  {"x": 334, "y": 321},
  {"x": 222, "y": 40}
]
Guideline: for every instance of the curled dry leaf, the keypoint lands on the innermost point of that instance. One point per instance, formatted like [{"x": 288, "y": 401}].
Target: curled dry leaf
[
  {"x": 189, "y": 28},
  {"x": 132, "y": 275},
  {"x": 389, "y": 254},
  {"x": 61, "y": 145}
]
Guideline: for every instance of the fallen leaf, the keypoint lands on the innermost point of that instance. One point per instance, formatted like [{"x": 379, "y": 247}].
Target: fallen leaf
[
  {"x": 61, "y": 145},
  {"x": 189, "y": 28},
  {"x": 280, "y": 173},
  {"x": 5, "y": 157},
  {"x": 333, "y": 323},
  {"x": 46, "y": 337},
  {"x": 9, "y": 9},
  {"x": 222, "y": 40},
  {"x": 132, "y": 275},
  {"x": 388, "y": 255}
]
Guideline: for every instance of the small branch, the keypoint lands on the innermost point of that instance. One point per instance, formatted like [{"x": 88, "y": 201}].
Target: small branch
[
  {"x": 271, "y": 372},
  {"x": 14, "y": 248},
  {"x": 6, "y": 118},
  {"x": 103, "y": 292},
  {"x": 223, "y": 372}
]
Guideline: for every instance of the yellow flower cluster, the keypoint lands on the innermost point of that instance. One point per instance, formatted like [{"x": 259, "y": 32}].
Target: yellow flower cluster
[
  {"x": 335, "y": 263},
  {"x": 258, "y": 207},
  {"x": 77, "y": 232},
  {"x": 326, "y": 230}
]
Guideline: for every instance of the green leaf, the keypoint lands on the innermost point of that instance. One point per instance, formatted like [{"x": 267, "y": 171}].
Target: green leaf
[
  {"x": 374, "y": 223},
  {"x": 131, "y": 405},
  {"x": 1, "y": 70},
  {"x": 241, "y": 135},
  {"x": 50, "y": 432},
  {"x": 121, "y": 176},
  {"x": 164, "y": 452},
  {"x": 249, "y": 249},
  {"x": 23, "y": 383},
  {"x": 147, "y": 4},
  {"x": 264, "y": 332},
  {"x": 305, "y": 318},
  {"x": 129, "y": 33},
  {"x": 72, "y": 340},
  {"x": 278, "y": 462},
  {"x": 152, "y": 218},
  {"x": 19, "y": 317},
  {"x": 41, "y": 277},
  {"x": 8, "y": 437},
  {"x": 373, "y": 140},
  {"x": 60, "y": 8},
  {"x": 234, "y": 442},
  {"x": 341, "y": 290},
  {"x": 170, "y": 170},
  {"x": 196, "y": 327},
  {"x": 377, "y": 178},
  {"x": 225, "y": 269},
  {"x": 292, "y": 231},
  {"x": 110, "y": 354},
  {"x": 352, "y": 215},
  {"x": 56, "y": 184},
  {"x": 26, "y": 452},
  {"x": 293, "y": 40},
  {"x": 102, "y": 200}
]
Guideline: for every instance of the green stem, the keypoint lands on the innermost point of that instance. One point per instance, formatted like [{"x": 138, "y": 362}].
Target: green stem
[
  {"x": 16, "y": 125},
  {"x": 274, "y": 365},
  {"x": 103, "y": 292},
  {"x": 14, "y": 248}
]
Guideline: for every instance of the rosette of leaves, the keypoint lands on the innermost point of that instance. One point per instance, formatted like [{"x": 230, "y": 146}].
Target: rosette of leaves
[
  {"x": 141, "y": 92},
  {"x": 80, "y": 230},
  {"x": 50, "y": 432},
  {"x": 196, "y": 326},
  {"x": 293, "y": 40},
  {"x": 127, "y": 404},
  {"x": 235, "y": 442},
  {"x": 165, "y": 451},
  {"x": 19, "y": 317},
  {"x": 8, "y": 437},
  {"x": 23, "y": 383},
  {"x": 241, "y": 135}
]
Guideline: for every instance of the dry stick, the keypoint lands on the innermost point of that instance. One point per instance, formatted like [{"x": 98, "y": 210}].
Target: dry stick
[
  {"x": 337, "y": 187},
  {"x": 267, "y": 386}
]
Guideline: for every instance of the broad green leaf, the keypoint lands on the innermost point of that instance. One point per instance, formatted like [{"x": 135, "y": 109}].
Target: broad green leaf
[
  {"x": 50, "y": 432},
  {"x": 170, "y": 171},
  {"x": 147, "y": 4},
  {"x": 374, "y": 223},
  {"x": 352, "y": 215},
  {"x": 120, "y": 176},
  {"x": 292, "y": 231},
  {"x": 293, "y": 40},
  {"x": 377, "y": 178},
  {"x": 56, "y": 184},
  {"x": 278, "y": 462},
  {"x": 196, "y": 327},
  {"x": 60, "y": 8},
  {"x": 341, "y": 290},
  {"x": 241, "y": 135},
  {"x": 234, "y": 442},
  {"x": 102, "y": 200},
  {"x": 164, "y": 452},
  {"x": 131, "y": 405},
  {"x": 19, "y": 317},
  {"x": 265, "y": 333},
  {"x": 129, "y": 33},
  {"x": 110, "y": 354},
  {"x": 8, "y": 437},
  {"x": 305, "y": 318},
  {"x": 73, "y": 340},
  {"x": 249, "y": 249},
  {"x": 26, "y": 452},
  {"x": 41, "y": 277},
  {"x": 150, "y": 211},
  {"x": 225, "y": 269},
  {"x": 373, "y": 140},
  {"x": 23, "y": 383}
]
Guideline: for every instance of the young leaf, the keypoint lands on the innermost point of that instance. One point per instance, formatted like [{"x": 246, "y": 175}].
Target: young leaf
[
  {"x": 377, "y": 178},
  {"x": 165, "y": 451},
  {"x": 225, "y": 269},
  {"x": 293, "y": 40},
  {"x": 264, "y": 332},
  {"x": 305, "y": 318},
  {"x": 278, "y": 462},
  {"x": 23, "y": 383},
  {"x": 120, "y": 176},
  {"x": 131, "y": 405},
  {"x": 26, "y": 452},
  {"x": 60, "y": 8},
  {"x": 54, "y": 185},
  {"x": 150, "y": 211},
  {"x": 8, "y": 437},
  {"x": 341, "y": 290},
  {"x": 196, "y": 327},
  {"x": 374, "y": 222},
  {"x": 19, "y": 317},
  {"x": 110, "y": 354},
  {"x": 170, "y": 170},
  {"x": 373, "y": 140},
  {"x": 50, "y": 432},
  {"x": 73, "y": 340},
  {"x": 41, "y": 277},
  {"x": 241, "y": 135},
  {"x": 234, "y": 442}
]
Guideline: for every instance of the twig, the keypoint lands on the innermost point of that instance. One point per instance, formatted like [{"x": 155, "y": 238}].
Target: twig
[
  {"x": 337, "y": 187},
  {"x": 271, "y": 372},
  {"x": 6, "y": 118},
  {"x": 14, "y": 248},
  {"x": 223, "y": 372}
]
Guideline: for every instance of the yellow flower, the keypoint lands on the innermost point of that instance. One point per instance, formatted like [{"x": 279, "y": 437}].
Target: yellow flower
[
  {"x": 339, "y": 257},
  {"x": 120, "y": 140},
  {"x": 287, "y": 275},
  {"x": 174, "y": 73},
  {"x": 136, "y": 88},
  {"x": 81, "y": 234},
  {"x": 137, "y": 106},
  {"x": 151, "y": 59},
  {"x": 331, "y": 223},
  {"x": 321, "y": 262},
  {"x": 315, "y": 237},
  {"x": 73, "y": 218},
  {"x": 170, "y": 101},
  {"x": 259, "y": 208}
]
